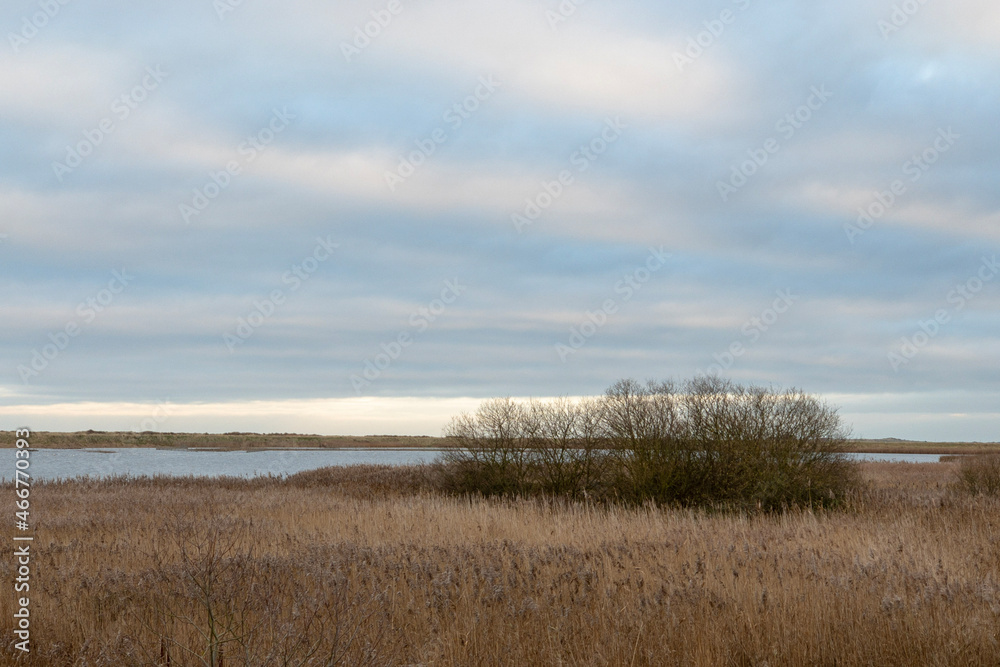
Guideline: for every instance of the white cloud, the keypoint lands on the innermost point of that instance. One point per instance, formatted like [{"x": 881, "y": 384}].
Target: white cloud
[
  {"x": 62, "y": 85},
  {"x": 966, "y": 22},
  {"x": 912, "y": 209},
  {"x": 344, "y": 416},
  {"x": 582, "y": 66}
]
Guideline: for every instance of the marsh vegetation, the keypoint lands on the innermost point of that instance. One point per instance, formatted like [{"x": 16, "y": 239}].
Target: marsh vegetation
[{"x": 374, "y": 565}]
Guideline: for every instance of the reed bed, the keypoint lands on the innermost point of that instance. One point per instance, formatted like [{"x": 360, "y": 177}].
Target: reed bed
[{"x": 369, "y": 565}]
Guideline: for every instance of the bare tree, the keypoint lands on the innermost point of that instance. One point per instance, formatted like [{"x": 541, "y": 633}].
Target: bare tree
[
  {"x": 492, "y": 453},
  {"x": 567, "y": 454}
]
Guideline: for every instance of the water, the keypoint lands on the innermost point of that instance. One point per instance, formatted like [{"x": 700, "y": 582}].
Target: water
[
  {"x": 67, "y": 463},
  {"x": 136, "y": 461},
  {"x": 897, "y": 458}
]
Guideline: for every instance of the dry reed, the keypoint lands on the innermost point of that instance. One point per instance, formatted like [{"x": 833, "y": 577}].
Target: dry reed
[{"x": 365, "y": 565}]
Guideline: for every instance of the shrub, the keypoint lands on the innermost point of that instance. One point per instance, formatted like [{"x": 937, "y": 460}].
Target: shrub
[
  {"x": 566, "y": 456},
  {"x": 709, "y": 442},
  {"x": 492, "y": 449},
  {"x": 508, "y": 448},
  {"x": 980, "y": 474}
]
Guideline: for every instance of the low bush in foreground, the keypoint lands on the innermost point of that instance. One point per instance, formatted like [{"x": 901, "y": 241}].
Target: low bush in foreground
[
  {"x": 980, "y": 474},
  {"x": 708, "y": 443}
]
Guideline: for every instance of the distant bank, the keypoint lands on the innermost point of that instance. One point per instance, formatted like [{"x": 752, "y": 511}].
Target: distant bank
[
  {"x": 242, "y": 441},
  {"x": 226, "y": 441}
]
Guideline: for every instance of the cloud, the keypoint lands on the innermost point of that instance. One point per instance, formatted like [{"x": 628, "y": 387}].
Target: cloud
[{"x": 558, "y": 85}]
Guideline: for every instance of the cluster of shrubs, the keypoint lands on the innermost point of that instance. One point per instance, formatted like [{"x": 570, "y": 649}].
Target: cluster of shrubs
[{"x": 708, "y": 442}]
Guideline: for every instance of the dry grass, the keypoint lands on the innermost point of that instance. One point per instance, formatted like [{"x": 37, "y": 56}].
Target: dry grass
[{"x": 362, "y": 565}]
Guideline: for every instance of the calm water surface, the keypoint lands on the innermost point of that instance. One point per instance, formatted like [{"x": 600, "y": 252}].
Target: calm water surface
[{"x": 66, "y": 463}]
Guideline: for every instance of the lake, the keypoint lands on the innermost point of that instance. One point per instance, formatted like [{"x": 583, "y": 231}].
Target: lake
[{"x": 48, "y": 464}]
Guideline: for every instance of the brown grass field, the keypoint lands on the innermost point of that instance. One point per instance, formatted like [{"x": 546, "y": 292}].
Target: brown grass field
[
  {"x": 245, "y": 441},
  {"x": 365, "y": 565}
]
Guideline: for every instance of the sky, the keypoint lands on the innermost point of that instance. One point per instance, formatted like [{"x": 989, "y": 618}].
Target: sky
[{"x": 365, "y": 217}]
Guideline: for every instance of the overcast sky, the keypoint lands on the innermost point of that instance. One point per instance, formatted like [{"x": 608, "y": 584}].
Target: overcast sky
[{"x": 332, "y": 216}]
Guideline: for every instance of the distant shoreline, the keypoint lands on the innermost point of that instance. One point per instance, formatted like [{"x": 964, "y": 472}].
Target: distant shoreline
[
  {"x": 291, "y": 441},
  {"x": 223, "y": 441}
]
